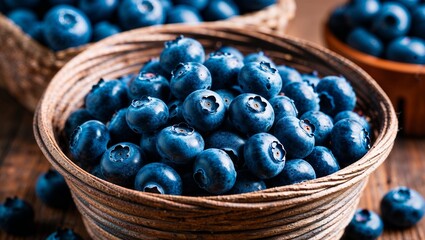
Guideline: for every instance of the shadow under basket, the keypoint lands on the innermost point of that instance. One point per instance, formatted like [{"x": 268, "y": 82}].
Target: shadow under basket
[
  {"x": 316, "y": 209},
  {"x": 404, "y": 83},
  {"x": 26, "y": 67}
]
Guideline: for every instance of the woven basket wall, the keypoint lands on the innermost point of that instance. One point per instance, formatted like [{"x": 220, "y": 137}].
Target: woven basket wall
[
  {"x": 317, "y": 209},
  {"x": 26, "y": 67}
]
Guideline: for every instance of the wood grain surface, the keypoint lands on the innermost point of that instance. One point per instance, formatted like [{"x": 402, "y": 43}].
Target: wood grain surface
[{"x": 21, "y": 161}]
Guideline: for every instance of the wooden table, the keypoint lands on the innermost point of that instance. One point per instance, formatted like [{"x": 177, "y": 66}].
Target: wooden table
[{"x": 21, "y": 161}]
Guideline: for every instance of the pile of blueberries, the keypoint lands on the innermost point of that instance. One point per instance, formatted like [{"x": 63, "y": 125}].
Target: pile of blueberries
[
  {"x": 62, "y": 24},
  {"x": 227, "y": 124},
  {"x": 391, "y": 29}
]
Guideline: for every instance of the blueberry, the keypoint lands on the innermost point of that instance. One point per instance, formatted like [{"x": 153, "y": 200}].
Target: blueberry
[
  {"x": 296, "y": 135},
  {"x": 407, "y": 49},
  {"x": 235, "y": 52},
  {"x": 97, "y": 172},
  {"x": 154, "y": 66},
  {"x": 74, "y": 120},
  {"x": 264, "y": 155},
  {"x": 304, "y": 97},
  {"x": 254, "y": 5},
  {"x": 175, "y": 112},
  {"x": 392, "y": 20},
  {"x": 105, "y": 98},
  {"x": 198, "y": 4},
  {"x": 103, "y": 30},
  {"x": 250, "y": 113},
  {"x": 338, "y": 23},
  {"x": 181, "y": 50},
  {"x": 64, "y": 234},
  {"x": 65, "y": 27},
  {"x": 213, "y": 170},
  {"x": 359, "y": 12},
  {"x": 295, "y": 171},
  {"x": 323, "y": 125},
  {"x": 365, "y": 225},
  {"x": 349, "y": 141},
  {"x": 227, "y": 95},
  {"x": 126, "y": 79},
  {"x": 149, "y": 84},
  {"x": 204, "y": 110},
  {"x": 311, "y": 78},
  {"x": 189, "y": 77},
  {"x": 229, "y": 142},
  {"x": 402, "y": 207},
  {"x": 365, "y": 41},
  {"x": 166, "y": 5},
  {"x": 29, "y": 4},
  {"x": 179, "y": 143},
  {"x": 355, "y": 116},
  {"x": 220, "y": 10},
  {"x": 258, "y": 57},
  {"x": 140, "y": 13},
  {"x": 121, "y": 162},
  {"x": 410, "y": 4},
  {"x": 323, "y": 161},
  {"x": 147, "y": 114},
  {"x": 23, "y": 18},
  {"x": 418, "y": 21},
  {"x": 336, "y": 95},
  {"x": 288, "y": 75},
  {"x": 158, "y": 178},
  {"x": 283, "y": 107},
  {"x": 148, "y": 146},
  {"x": 246, "y": 182},
  {"x": 119, "y": 129},
  {"x": 88, "y": 142},
  {"x": 98, "y": 10},
  {"x": 224, "y": 69},
  {"x": 16, "y": 216},
  {"x": 52, "y": 189},
  {"x": 183, "y": 14},
  {"x": 260, "y": 78}
]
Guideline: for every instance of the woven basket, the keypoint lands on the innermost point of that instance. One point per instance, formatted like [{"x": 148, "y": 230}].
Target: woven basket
[
  {"x": 26, "y": 67},
  {"x": 317, "y": 209}
]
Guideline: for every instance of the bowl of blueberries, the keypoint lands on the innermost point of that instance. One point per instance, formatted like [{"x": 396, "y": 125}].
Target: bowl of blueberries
[
  {"x": 213, "y": 132},
  {"x": 39, "y": 37},
  {"x": 386, "y": 39}
]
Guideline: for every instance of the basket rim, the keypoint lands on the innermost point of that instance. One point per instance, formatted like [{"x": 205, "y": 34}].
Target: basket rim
[
  {"x": 49, "y": 145},
  {"x": 380, "y": 63}
]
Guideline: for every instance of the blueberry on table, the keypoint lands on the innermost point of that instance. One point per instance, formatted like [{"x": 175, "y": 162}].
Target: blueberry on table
[
  {"x": 105, "y": 98},
  {"x": 296, "y": 135},
  {"x": 88, "y": 142},
  {"x": 158, "y": 178},
  {"x": 229, "y": 142},
  {"x": 183, "y": 14},
  {"x": 365, "y": 225},
  {"x": 227, "y": 95},
  {"x": 121, "y": 162},
  {"x": 154, "y": 66},
  {"x": 103, "y": 30},
  {"x": 336, "y": 95},
  {"x": 323, "y": 125},
  {"x": 179, "y": 143},
  {"x": 119, "y": 129},
  {"x": 323, "y": 161},
  {"x": 355, "y": 116},
  {"x": 52, "y": 189},
  {"x": 250, "y": 113},
  {"x": 64, "y": 234},
  {"x": 418, "y": 21},
  {"x": 288, "y": 75},
  {"x": 198, "y": 4},
  {"x": 407, "y": 50},
  {"x": 65, "y": 27},
  {"x": 402, "y": 207},
  {"x": 295, "y": 171},
  {"x": 258, "y": 57},
  {"x": 140, "y": 13},
  {"x": 213, "y": 171},
  {"x": 224, "y": 69},
  {"x": 393, "y": 20},
  {"x": 235, "y": 52},
  {"x": 246, "y": 182},
  {"x": 74, "y": 120},
  {"x": 149, "y": 84},
  {"x": 181, "y": 50},
  {"x": 220, "y": 10},
  {"x": 189, "y": 77},
  {"x": 147, "y": 114},
  {"x": 304, "y": 97},
  {"x": 360, "y": 12},
  {"x": 349, "y": 141},
  {"x": 260, "y": 78},
  {"x": 264, "y": 155},
  {"x": 365, "y": 41},
  {"x": 98, "y": 10},
  {"x": 16, "y": 216}
]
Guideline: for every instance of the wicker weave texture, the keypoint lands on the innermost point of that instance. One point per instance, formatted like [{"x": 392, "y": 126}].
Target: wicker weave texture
[{"x": 317, "y": 209}]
